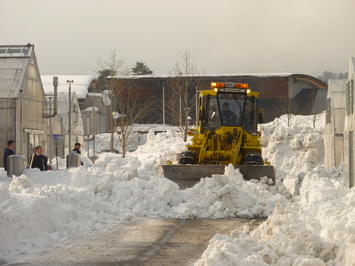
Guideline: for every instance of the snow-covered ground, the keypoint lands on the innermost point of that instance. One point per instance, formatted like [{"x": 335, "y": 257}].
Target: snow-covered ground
[
  {"x": 41, "y": 210},
  {"x": 311, "y": 214},
  {"x": 316, "y": 227}
]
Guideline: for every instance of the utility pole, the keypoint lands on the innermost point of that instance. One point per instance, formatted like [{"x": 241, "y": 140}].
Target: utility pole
[
  {"x": 196, "y": 103},
  {"x": 164, "y": 106},
  {"x": 113, "y": 126},
  {"x": 180, "y": 109},
  {"x": 93, "y": 132},
  {"x": 21, "y": 123},
  {"x": 69, "y": 115},
  {"x": 112, "y": 132}
]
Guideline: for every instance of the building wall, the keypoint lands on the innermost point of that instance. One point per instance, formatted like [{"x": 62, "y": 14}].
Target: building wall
[
  {"x": 102, "y": 116},
  {"x": 8, "y": 124},
  {"x": 30, "y": 124},
  {"x": 275, "y": 92},
  {"x": 58, "y": 127}
]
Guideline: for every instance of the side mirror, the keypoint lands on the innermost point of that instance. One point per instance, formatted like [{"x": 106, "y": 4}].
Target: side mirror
[{"x": 260, "y": 118}]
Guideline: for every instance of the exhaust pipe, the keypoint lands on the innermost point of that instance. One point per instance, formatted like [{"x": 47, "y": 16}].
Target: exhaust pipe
[{"x": 55, "y": 104}]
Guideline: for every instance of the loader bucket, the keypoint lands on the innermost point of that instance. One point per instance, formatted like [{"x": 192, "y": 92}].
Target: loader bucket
[{"x": 187, "y": 175}]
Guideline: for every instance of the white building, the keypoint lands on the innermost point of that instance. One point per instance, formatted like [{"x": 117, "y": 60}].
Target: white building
[
  {"x": 349, "y": 127},
  {"x": 80, "y": 84},
  {"x": 334, "y": 127},
  {"x": 58, "y": 126},
  {"x": 101, "y": 101}
]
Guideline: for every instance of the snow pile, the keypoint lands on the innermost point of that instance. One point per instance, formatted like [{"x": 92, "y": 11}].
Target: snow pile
[
  {"x": 318, "y": 228},
  {"x": 229, "y": 195},
  {"x": 294, "y": 150},
  {"x": 42, "y": 209}
]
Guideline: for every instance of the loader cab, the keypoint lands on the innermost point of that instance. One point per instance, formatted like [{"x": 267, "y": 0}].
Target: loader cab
[{"x": 229, "y": 107}]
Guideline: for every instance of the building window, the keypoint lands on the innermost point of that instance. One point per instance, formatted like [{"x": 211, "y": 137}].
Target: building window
[{"x": 327, "y": 116}]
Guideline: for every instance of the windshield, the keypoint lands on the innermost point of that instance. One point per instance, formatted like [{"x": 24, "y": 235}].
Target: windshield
[{"x": 231, "y": 108}]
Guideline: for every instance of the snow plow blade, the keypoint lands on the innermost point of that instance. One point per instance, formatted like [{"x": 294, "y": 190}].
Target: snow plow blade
[{"x": 187, "y": 175}]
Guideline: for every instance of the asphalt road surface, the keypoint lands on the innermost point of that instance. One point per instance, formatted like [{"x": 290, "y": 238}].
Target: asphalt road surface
[{"x": 144, "y": 242}]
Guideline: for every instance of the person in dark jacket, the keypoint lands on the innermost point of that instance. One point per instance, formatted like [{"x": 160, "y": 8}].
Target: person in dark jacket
[
  {"x": 77, "y": 150},
  {"x": 10, "y": 150},
  {"x": 77, "y": 147},
  {"x": 227, "y": 116},
  {"x": 38, "y": 160}
]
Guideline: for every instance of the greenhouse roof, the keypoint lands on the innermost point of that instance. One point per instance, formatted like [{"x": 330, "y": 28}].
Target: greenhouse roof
[
  {"x": 15, "y": 50},
  {"x": 13, "y": 65}
]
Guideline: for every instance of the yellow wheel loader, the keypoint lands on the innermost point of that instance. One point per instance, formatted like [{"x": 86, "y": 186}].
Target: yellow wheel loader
[{"x": 226, "y": 133}]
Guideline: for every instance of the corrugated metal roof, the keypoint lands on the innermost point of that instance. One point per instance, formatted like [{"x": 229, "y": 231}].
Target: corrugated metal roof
[
  {"x": 206, "y": 75},
  {"x": 12, "y": 71}
]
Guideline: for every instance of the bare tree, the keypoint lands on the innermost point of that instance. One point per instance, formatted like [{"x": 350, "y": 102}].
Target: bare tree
[
  {"x": 111, "y": 67},
  {"x": 182, "y": 87},
  {"x": 131, "y": 107}
]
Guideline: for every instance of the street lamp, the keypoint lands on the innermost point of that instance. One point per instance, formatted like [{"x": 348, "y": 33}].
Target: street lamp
[
  {"x": 115, "y": 115},
  {"x": 69, "y": 114}
]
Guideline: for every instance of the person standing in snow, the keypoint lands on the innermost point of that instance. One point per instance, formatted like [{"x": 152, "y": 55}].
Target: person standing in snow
[
  {"x": 10, "y": 150},
  {"x": 77, "y": 150},
  {"x": 38, "y": 160},
  {"x": 77, "y": 147}
]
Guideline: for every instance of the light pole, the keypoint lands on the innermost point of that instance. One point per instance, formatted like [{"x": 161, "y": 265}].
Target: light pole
[
  {"x": 69, "y": 115},
  {"x": 196, "y": 103},
  {"x": 88, "y": 134},
  {"x": 93, "y": 131},
  {"x": 115, "y": 115},
  {"x": 180, "y": 109},
  {"x": 164, "y": 106}
]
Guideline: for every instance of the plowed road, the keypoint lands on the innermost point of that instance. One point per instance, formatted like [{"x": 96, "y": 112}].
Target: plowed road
[{"x": 143, "y": 242}]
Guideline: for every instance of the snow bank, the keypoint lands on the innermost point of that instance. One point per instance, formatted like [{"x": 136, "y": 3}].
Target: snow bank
[
  {"x": 317, "y": 228},
  {"x": 42, "y": 209},
  {"x": 103, "y": 142},
  {"x": 294, "y": 149},
  {"x": 294, "y": 146}
]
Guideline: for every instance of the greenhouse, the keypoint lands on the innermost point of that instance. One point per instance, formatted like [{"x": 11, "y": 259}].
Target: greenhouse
[{"x": 22, "y": 99}]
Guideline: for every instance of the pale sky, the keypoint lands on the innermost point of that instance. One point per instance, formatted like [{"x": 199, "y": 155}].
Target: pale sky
[{"x": 223, "y": 36}]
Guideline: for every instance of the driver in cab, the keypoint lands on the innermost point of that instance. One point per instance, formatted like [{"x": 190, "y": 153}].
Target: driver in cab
[{"x": 228, "y": 117}]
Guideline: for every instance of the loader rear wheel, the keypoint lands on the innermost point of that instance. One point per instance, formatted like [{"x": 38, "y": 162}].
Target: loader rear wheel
[{"x": 253, "y": 159}]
